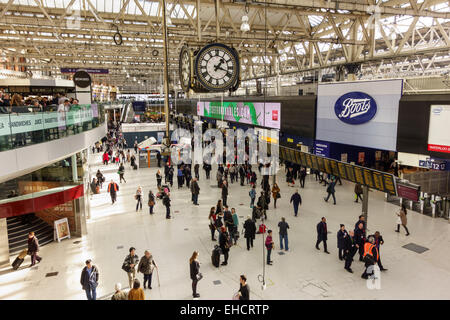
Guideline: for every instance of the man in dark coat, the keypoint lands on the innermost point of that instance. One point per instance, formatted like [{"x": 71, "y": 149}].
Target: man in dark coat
[
  {"x": 224, "y": 244},
  {"x": 224, "y": 192},
  {"x": 166, "y": 203},
  {"x": 362, "y": 220},
  {"x": 250, "y": 230},
  {"x": 322, "y": 234},
  {"x": 302, "y": 177},
  {"x": 158, "y": 157},
  {"x": 331, "y": 191},
  {"x": 296, "y": 199},
  {"x": 33, "y": 248},
  {"x": 89, "y": 280},
  {"x": 350, "y": 248},
  {"x": 242, "y": 174},
  {"x": 341, "y": 235},
  {"x": 360, "y": 238},
  {"x": 112, "y": 189},
  {"x": 196, "y": 171},
  {"x": 166, "y": 172},
  {"x": 195, "y": 189}
]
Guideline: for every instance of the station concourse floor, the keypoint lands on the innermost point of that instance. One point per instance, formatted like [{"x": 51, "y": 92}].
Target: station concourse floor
[{"x": 303, "y": 273}]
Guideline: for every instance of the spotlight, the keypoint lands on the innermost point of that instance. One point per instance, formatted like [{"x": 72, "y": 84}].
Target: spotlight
[{"x": 245, "y": 26}]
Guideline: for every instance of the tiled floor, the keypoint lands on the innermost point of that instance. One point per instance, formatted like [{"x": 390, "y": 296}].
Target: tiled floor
[{"x": 302, "y": 273}]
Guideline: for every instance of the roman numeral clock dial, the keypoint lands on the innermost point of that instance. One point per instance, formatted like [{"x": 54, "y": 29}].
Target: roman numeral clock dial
[
  {"x": 185, "y": 69},
  {"x": 217, "y": 67}
]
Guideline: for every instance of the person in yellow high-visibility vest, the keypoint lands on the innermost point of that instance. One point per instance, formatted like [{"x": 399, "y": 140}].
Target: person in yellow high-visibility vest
[{"x": 371, "y": 255}]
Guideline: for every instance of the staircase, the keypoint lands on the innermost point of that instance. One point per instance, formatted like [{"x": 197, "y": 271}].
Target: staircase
[{"x": 18, "y": 232}]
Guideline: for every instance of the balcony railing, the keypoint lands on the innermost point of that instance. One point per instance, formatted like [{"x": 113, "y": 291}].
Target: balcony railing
[{"x": 25, "y": 129}]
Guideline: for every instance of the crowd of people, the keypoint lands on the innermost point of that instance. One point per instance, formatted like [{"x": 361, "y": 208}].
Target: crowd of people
[{"x": 59, "y": 102}]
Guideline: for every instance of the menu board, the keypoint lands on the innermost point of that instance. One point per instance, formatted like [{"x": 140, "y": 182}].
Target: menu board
[
  {"x": 342, "y": 172},
  {"x": 359, "y": 175},
  {"x": 368, "y": 178},
  {"x": 320, "y": 163},
  {"x": 378, "y": 181},
  {"x": 308, "y": 160},
  {"x": 326, "y": 163},
  {"x": 350, "y": 172},
  {"x": 298, "y": 158},
  {"x": 292, "y": 155},
  {"x": 334, "y": 168},
  {"x": 303, "y": 157},
  {"x": 389, "y": 183}
]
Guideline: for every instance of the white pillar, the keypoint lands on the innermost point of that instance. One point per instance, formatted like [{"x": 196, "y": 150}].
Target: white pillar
[{"x": 4, "y": 245}]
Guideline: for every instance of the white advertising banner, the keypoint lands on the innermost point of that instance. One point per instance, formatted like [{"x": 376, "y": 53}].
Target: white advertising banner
[
  {"x": 4, "y": 125},
  {"x": 361, "y": 113},
  {"x": 439, "y": 130}
]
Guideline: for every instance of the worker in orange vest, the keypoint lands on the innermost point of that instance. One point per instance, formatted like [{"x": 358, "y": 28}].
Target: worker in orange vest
[
  {"x": 371, "y": 256},
  {"x": 112, "y": 189}
]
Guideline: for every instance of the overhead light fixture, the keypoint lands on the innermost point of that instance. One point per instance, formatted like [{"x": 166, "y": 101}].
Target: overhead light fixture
[{"x": 245, "y": 26}]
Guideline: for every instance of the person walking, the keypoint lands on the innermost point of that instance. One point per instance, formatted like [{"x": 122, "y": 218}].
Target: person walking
[
  {"x": 331, "y": 190},
  {"x": 296, "y": 200},
  {"x": 89, "y": 280},
  {"x": 224, "y": 192},
  {"x": 360, "y": 238},
  {"x": 358, "y": 192},
  {"x": 341, "y": 235},
  {"x": 235, "y": 232},
  {"x": 283, "y": 225},
  {"x": 249, "y": 231},
  {"x": 100, "y": 178},
  {"x": 119, "y": 294},
  {"x": 219, "y": 178},
  {"x": 166, "y": 203},
  {"x": 129, "y": 265},
  {"x": 269, "y": 246},
  {"x": 146, "y": 266},
  {"x": 371, "y": 257},
  {"x": 276, "y": 194},
  {"x": 242, "y": 174},
  {"x": 170, "y": 176},
  {"x": 138, "y": 197},
  {"x": 33, "y": 248},
  {"x": 158, "y": 179},
  {"x": 350, "y": 248},
  {"x": 121, "y": 172},
  {"x": 402, "y": 220},
  {"x": 224, "y": 243},
  {"x": 196, "y": 171},
  {"x": 151, "y": 201},
  {"x": 136, "y": 293},
  {"x": 322, "y": 234},
  {"x": 196, "y": 276},
  {"x": 105, "y": 158},
  {"x": 302, "y": 177},
  {"x": 195, "y": 189},
  {"x": 244, "y": 290},
  {"x": 252, "y": 194},
  {"x": 113, "y": 188},
  {"x": 212, "y": 223},
  {"x": 378, "y": 243},
  {"x": 158, "y": 157}
]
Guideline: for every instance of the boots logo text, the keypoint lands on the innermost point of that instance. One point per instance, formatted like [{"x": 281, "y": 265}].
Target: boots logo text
[{"x": 355, "y": 108}]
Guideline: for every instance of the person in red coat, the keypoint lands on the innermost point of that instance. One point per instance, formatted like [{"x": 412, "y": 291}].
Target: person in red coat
[{"x": 105, "y": 158}]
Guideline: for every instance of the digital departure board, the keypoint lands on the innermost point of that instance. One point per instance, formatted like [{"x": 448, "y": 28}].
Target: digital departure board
[
  {"x": 283, "y": 153},
  {"x": 350, "y": 172},
  {"x": 308, "y": 160},
  {"x": 368, "y": 178},
  {"x": 320, "y": 163},
  {"x": 292, "y": 155},
  {"x": 326, "y": 163},
  {"x": 315, "y": 165},
  {"x": 359, "y": 175},
  {"x": 342, "y": 172},
  {"x": 303, "y": 157},
  {"x": 378, "y": 180},
  {"x": 389, "y": 183},
  {"x": 334, "y": 168},
  {"x": 298, "y": 158}
]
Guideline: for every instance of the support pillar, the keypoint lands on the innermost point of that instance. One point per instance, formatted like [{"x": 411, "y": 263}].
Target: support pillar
[
  {"x": 80, "y": 208},
  {"x": 4, "y": 245},
  {"x": 365, "y": 205},
  {"x": 74, "y": 168}
]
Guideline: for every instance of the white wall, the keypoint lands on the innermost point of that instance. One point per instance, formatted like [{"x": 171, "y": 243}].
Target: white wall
[{"x": 21, "y": 161}]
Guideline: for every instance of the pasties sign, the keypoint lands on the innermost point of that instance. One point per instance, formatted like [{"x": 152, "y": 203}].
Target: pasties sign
[{"x": 355, "y": 108}]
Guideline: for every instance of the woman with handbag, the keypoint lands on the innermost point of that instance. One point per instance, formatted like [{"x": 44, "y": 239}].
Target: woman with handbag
[
  {"x": 402, "y": 220},
  {"x": 276, "y": 194},
  {"x": 151, "y": 201},
  {"x": 138, "y": 197},
  {"x": 196, "y": 276}
]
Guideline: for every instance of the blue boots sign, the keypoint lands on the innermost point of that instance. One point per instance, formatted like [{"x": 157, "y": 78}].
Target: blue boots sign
[{"x": 355, "y": 108}]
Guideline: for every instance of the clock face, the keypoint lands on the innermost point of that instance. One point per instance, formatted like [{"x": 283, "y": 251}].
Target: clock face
[
  {"x": 217, "y": 67},
  {"x": 185, "y": 68}
]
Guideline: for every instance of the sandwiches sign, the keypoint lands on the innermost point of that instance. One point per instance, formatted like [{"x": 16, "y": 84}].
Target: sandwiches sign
[{"x": 355, "y": 108}]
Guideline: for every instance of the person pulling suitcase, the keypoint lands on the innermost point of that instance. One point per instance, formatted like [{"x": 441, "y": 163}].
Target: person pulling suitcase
[{"x": 33, "y": 248}]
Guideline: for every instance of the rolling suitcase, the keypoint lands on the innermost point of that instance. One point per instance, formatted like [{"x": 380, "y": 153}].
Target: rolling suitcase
[
  {"x": 19, "y": 260},
  {"x": 215, "y": 257}
]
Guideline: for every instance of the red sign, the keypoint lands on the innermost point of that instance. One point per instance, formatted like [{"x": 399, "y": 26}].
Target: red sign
[
  {"x": 361, "y": 157},
  {"x": 407, "y": 192},
  {"x": 275, "y": 115},
  {"x": 438, "y": 148}
]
